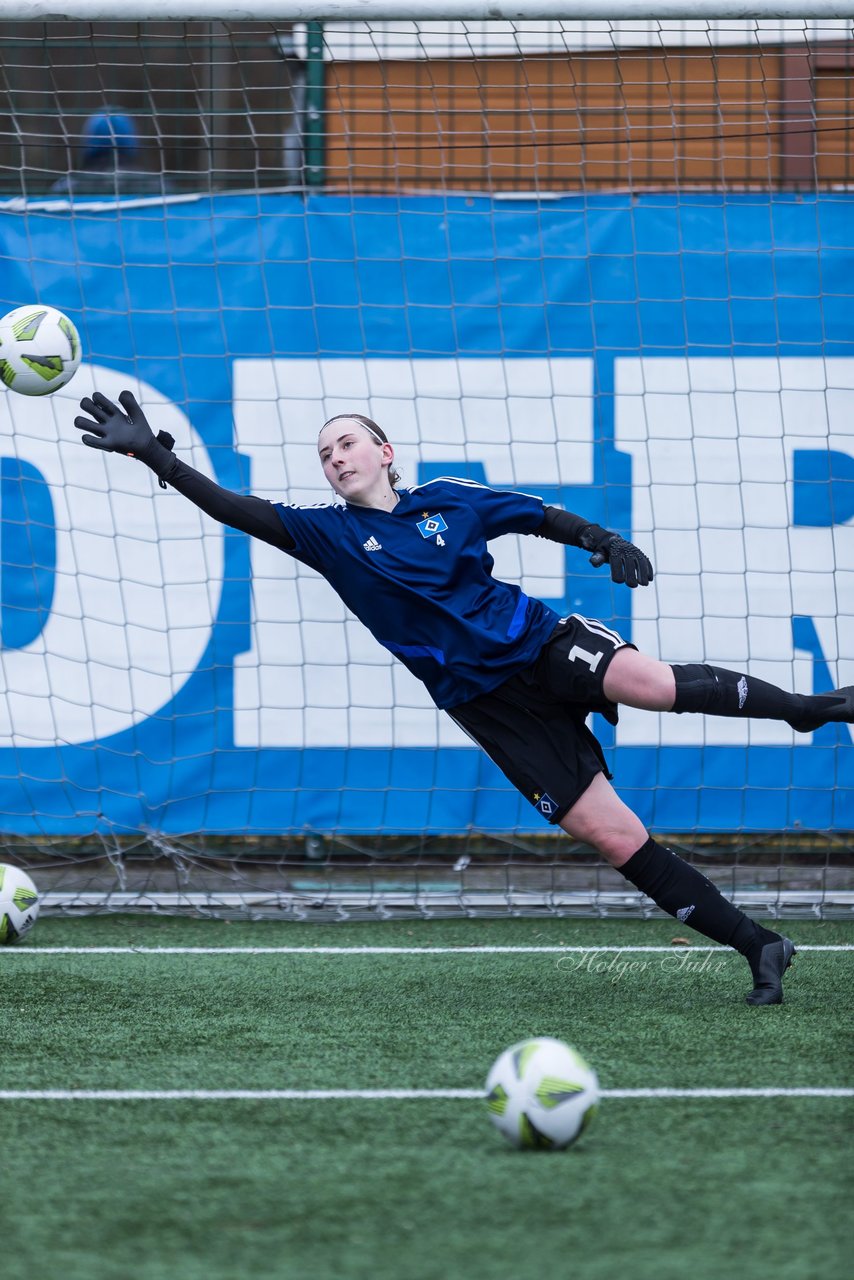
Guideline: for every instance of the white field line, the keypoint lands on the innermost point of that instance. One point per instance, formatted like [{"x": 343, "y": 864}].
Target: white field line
[
  {"x": 370, "y": 1095},
  {"x": 370, "y": 951}
]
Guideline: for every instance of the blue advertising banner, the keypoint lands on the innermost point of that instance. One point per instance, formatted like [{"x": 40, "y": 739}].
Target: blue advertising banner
[{"x": 678, "y": 369}]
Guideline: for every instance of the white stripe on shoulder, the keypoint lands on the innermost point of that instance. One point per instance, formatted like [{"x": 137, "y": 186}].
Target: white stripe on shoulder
[
  {"x": 475, "y": 484},
  {"x": 472, "y": 484},
  {"x": 312, "y": 506}
]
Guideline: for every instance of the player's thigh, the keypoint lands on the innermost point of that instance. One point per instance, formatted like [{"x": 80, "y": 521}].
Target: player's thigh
[
  {"x": 599, "y": 817},
  {"x": 636, "y": 680}
]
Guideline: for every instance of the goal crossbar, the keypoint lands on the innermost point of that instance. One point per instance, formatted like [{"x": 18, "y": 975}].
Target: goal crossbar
[{"x": 420, "y": 10}]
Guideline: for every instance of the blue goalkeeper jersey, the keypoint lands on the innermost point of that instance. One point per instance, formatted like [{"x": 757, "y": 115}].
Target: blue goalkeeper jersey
[{"x": 420, "y": 579}]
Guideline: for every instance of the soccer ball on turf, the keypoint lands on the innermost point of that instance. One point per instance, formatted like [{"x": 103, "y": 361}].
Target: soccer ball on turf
[
  {"x": 541, "y": 1094},
  {"x": 39, "y": 350},
  {"x": 19, "y": 904}
]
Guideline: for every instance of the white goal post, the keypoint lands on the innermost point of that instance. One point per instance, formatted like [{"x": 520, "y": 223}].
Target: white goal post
[
  {"x": 597, "y": 251},
  {"x": 416, "y": 10}
]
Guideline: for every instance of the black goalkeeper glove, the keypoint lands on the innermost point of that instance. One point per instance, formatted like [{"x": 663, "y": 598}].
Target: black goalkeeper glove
[
  {"x": 628, "y": 563},
  {"x": 118, "y": 432}
]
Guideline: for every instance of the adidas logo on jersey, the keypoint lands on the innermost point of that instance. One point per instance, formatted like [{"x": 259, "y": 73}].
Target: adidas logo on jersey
[{"x": 372, "y": 544}]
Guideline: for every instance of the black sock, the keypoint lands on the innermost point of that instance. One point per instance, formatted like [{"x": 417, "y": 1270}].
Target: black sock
[
  {"x": 684, "y": 892},
  {"x": 715, "y": 691}
]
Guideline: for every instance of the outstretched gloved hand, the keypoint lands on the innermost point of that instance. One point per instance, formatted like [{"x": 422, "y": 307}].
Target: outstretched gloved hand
[
  {"x": 628, "y": 563},
  {"x": 116, "y": 430}
]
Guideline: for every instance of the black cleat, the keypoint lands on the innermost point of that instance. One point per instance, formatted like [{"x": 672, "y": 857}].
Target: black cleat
[
  {"x": 825, "y": 708},
  {"x": 774, "y": 960}
]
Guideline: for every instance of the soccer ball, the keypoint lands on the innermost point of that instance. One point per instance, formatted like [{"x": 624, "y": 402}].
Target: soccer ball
[
  {"x": 19, "y": 904},
  {"x": 541, "y": 1094},
  {"x": 39, "y": 350}
]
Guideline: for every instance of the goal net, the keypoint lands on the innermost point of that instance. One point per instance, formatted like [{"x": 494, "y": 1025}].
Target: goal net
[{"x": 608, "y": 262}]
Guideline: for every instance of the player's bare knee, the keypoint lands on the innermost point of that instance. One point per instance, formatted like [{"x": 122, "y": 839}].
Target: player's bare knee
[
  {"x": 615, "y": 842},
  {"x": 617, "y": 845}
]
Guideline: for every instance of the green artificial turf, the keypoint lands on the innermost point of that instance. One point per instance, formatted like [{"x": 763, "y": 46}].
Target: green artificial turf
[{"x": 414, "y": 1189}]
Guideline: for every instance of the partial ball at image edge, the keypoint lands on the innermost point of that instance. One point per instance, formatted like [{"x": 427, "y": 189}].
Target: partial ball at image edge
[{"x": 19, "y": 904}]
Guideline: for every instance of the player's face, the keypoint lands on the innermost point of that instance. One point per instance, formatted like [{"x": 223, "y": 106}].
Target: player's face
[{"x": 353, "y": 461}]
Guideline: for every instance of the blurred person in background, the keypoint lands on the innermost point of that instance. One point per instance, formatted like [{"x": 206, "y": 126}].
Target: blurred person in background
[{"x": 110, "y": 161}]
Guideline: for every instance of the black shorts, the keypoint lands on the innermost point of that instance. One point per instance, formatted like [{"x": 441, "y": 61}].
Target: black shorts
[{"x": 533, "y": 727}]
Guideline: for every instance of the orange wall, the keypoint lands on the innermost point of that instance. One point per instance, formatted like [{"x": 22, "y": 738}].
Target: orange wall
[{"x": 651, "y": 118}]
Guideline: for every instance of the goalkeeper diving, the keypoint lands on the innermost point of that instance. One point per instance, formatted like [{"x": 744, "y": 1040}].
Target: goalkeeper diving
[{"x": 414, "y": 566}]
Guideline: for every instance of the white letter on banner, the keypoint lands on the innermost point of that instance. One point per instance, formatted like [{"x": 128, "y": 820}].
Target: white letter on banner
[
  {"x": 138, "y": 575},
  {"x": 712, "y": 442},
  {"x": 313, "y": 676}
]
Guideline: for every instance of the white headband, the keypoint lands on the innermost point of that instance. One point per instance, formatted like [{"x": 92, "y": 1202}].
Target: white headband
[{"x": 369, "y": 430}]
